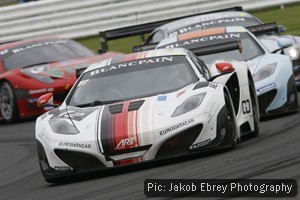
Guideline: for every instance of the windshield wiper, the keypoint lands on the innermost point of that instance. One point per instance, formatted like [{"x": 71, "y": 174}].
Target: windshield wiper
[{"x": 97, "y": 103}]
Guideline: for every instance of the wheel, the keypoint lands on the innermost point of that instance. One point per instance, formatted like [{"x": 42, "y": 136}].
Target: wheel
[
  {"x": 255, "y": 110},
  {"x": 296, "y": 101},
  {"x": 231, "y": 136},
  {"x": 8, "y": 103}
]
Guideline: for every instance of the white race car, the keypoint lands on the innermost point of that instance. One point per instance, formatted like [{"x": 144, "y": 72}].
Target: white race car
[
  {"x": 272, "y": 73},
  {"x": 144, "y": 106}
]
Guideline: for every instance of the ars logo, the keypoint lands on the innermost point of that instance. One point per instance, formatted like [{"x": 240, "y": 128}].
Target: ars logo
[{"x": 125, "y": 143}]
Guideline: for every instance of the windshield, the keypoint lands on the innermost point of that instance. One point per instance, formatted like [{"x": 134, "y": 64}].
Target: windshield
[
  {"x": 250, "y": 50},
  {"x": 42, "y": 52},
  {"x": 133, "y": 79}
]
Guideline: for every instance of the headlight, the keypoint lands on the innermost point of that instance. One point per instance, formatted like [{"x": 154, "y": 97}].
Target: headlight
[
  {"x": 189, "y": 104},
  {"x": 35, "y": 71},
  {"x": 294, "y": 53},
  {"x": 63, "y": 126},
  {"x": 264, "y": 72}
]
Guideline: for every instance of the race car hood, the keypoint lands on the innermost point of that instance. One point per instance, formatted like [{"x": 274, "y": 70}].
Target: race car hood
[
  {"x": 64, "y": 69},
  {"x": 134, "y": 124},
  {"x": 264, "y": 60}
]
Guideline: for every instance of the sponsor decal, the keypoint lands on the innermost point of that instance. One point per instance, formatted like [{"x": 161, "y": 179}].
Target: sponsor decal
[
  {"x": 40, "y": 44},
  {"x": 126, "y": 143},
  {"x": 63, "y": 168},
  {"x": 161, "y": 98},
  {"x": 246, "y": 106},
  {"x": 267, "y": 87},
  {"x": 173, "y": 128},
  {"x": 206, "y": 24},
  {"x": 131, "y": 64},
  {"x": 75, "y": 145},
  {"x": 210, "y": 17},
  {"x": 43, "y": 90},
  {"x": 213, "y": 85},
  {"x": 32, "y": 100},
  {"x": 204, "y": 39},
  {"x": 200, "y": 144}
]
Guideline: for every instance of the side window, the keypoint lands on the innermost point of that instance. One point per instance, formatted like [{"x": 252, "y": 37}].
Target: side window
[
  {"x": 205, "y": 69},
  {"x": 156, "y": 37},
  {"x": 201, "y": 66}
]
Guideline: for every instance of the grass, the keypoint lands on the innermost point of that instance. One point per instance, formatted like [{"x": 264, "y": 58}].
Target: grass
[
  {"x": 8, "y": 3},
  {"x": 289, "y": 17}
]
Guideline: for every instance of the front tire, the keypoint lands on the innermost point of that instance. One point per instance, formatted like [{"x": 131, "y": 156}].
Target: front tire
[
  {"x": 8, "y": 104},
  {"x": 230, "y": 138},
  {"x": 255, "y": 110}
]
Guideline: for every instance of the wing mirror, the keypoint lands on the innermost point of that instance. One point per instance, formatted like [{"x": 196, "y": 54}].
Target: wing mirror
[
  {"x": 224, "y": 67},
  {"x": 46, "y": 100},
  {"x": 283, "y": 43}
]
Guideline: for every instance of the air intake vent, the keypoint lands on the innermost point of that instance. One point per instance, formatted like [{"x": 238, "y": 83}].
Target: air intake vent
[
  {"x": 114, "y": 109},
  {"x": 135, "y": 105}
]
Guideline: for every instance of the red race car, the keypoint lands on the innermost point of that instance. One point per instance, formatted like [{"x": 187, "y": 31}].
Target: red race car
[{"x": 31, "y": 68}]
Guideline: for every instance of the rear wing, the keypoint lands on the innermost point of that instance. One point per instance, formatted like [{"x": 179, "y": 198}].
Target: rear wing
[
  {"x": 145, "y": 47},
  {"x": 264, "y": 29},
  {"x": 143, "y": 29},
  {"x": 217, "y": 48}
]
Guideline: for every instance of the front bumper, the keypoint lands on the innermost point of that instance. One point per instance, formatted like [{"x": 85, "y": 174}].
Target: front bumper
[
  {"x": 296, "y": 70},
  {"x": 278, "y": 98},
  {"x": 56, "y": 160}
]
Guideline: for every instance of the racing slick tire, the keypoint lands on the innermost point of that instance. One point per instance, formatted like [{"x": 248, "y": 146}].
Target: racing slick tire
[
  {"x": 230, "y": 137},
  {"x": 296, "y": 101},
  {"x": 255, "y": 109},
  {"x": 8, "y": 103}
]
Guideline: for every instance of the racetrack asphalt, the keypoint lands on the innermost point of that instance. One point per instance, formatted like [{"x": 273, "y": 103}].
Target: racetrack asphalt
[{"x": 274, "y": 154}]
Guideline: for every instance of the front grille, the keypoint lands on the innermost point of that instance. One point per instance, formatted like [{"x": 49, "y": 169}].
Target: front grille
[
  {"x": 265, "y": 100},
  {"x": 180, "y": 143},
  {"x": 81, "y": 162}
]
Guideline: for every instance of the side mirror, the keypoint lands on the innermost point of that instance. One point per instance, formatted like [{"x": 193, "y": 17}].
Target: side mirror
[
  {"x": 284, "y": 42},
  {"x": 46, "y": 100},
  {"x": 224, "y": 67}
]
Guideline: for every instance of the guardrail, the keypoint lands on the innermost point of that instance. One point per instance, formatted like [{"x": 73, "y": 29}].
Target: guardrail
[{"x": 78, "y": 18}]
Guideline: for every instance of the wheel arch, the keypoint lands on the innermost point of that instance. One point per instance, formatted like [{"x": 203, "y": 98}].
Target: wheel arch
[{"x": 233, "y": 88}]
